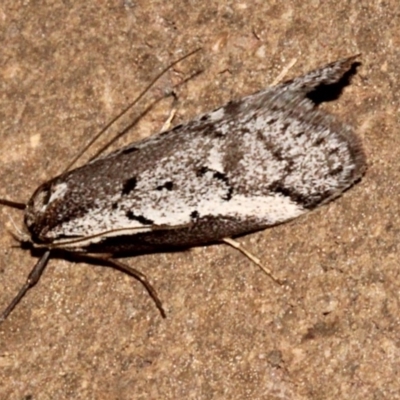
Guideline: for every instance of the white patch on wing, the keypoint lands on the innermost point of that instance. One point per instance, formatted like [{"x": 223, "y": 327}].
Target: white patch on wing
[
  {"x": 215, "y": 159},
  {"x": 268, "y": 210},
  {"x": 58, "y": 191},
  {"x": 217, "y": 115}
]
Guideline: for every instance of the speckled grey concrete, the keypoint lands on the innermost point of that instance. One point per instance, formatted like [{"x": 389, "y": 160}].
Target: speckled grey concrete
[{"x": 87, "y": 332}]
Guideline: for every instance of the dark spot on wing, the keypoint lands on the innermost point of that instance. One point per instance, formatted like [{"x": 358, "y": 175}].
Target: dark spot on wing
[
  {"x": 337, "y": 170},
  {"x": 334, "y": 151},
  {"x": 232, "y": 108},
  {"x": 272, "y": 121},
  {"x": 139, "y": 218},
  {"x": 220, "y": 176},
  {"x": 296, "y": 197},
  {"x": 176, "y": 127},
  {"x": 299, "y": 134},
  {"x": 129, "y": 185},
  {"x": 202, "y": 171},
  {"x": 228, "y": 195},
  {"x": 289, "y": 166},
  {"x": 194, "y": 215},
  {"x": 114, "y": 206},
  {"x": 216, "y": 133},
  {"x": 129, "y": 150},
  {"x": 205, "y": 117},
  {"x": 167, "y": 185},
  {"x": 274, "y": 108},
  {"x": 277, "y": 154}
]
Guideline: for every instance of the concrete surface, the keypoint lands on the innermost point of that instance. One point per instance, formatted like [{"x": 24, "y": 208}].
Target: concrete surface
[{"x": 87, "y": 332}]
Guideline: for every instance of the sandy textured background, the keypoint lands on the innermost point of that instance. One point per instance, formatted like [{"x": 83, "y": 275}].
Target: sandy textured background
[{"x": 87, "y": 332}]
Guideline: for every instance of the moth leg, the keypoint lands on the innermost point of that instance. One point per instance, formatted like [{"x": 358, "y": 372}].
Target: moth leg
[
  {"x": 168, "y": 123},
  {"x": 137, "y": 275},
  {"x": 236, "y": 245},
  {"x": 284, "y": 72},
  {"x": 31, "y": 281}
]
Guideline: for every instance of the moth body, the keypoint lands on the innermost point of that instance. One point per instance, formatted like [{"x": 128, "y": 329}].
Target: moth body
[{"x": 253, "y": 163}]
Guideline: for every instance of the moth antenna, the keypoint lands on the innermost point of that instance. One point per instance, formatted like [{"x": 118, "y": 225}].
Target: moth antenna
[
  {"x": 141, "y": 115},
  {"x": 31, "y": 281},
  {"x": 127, "y": 108},
  {"x": 13, "y": 204}
]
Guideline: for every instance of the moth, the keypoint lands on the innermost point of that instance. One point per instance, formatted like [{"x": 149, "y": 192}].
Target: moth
[{"x": 255, "y": 162}]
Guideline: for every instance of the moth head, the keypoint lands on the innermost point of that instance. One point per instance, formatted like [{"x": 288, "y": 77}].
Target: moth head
[{"x": 38, "y": 209}]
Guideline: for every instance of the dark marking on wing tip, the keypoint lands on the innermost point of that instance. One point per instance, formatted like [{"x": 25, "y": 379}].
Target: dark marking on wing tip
[
  {"x": 129, "y": 185},
  {"x": 331, "y": 91},
  {"x": 167, "y": 185},
  {"x": 139, "y": 218}
]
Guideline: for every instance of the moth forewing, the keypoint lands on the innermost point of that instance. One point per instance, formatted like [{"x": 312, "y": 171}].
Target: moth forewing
[{"x": 253, "y": 163}]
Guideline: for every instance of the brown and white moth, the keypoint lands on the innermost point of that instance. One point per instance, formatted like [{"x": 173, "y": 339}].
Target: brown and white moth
[{"x": 255, "y": 162}]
